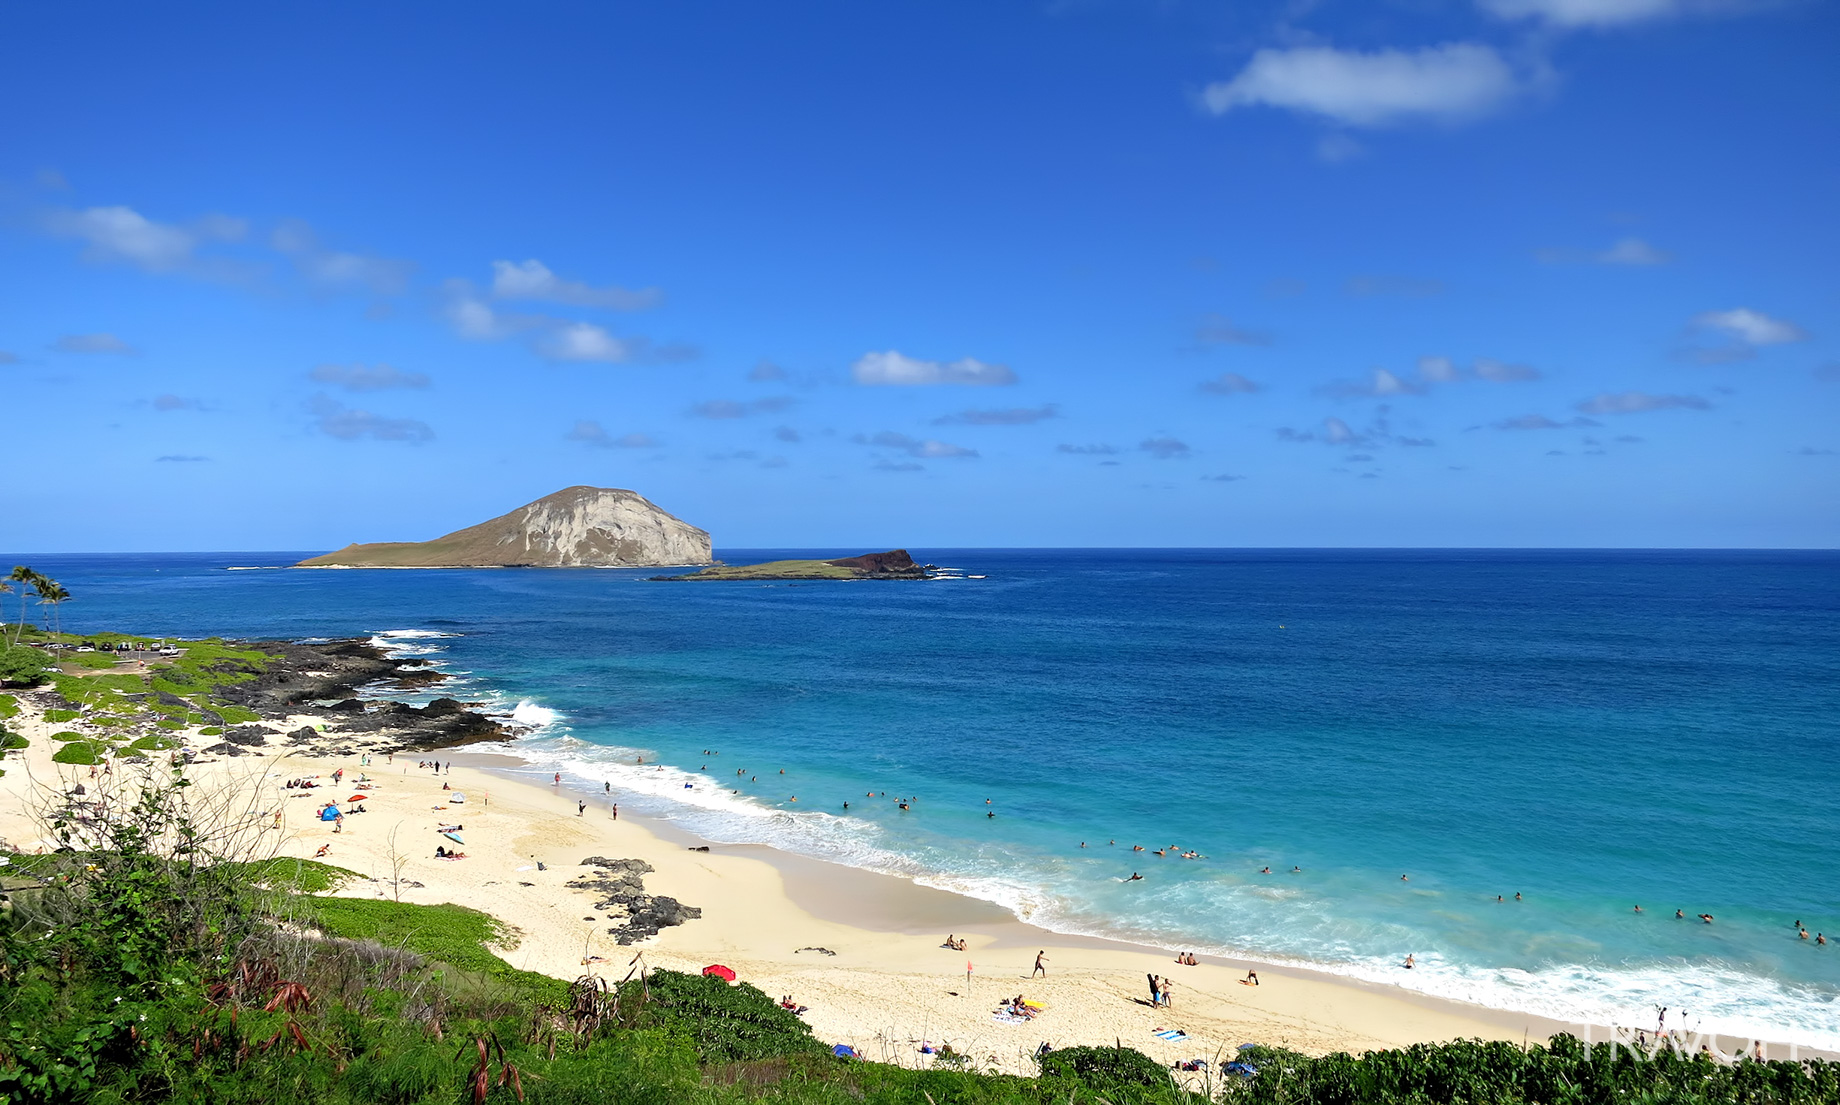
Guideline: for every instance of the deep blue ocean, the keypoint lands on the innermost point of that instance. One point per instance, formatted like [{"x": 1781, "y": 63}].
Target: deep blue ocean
[{"x": 1591, "y": 730}]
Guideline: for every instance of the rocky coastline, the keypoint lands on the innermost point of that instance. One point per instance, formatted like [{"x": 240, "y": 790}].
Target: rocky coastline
[{"x": 325, "y": 678}]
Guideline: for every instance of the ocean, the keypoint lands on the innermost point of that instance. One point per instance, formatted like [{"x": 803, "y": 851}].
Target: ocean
[{"x": 1588, "y": 730}]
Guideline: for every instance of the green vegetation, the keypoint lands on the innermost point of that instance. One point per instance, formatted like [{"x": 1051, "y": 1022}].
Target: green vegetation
[
  {"x": 58, "y": 717},
  {"x": 10, "y": 740},
  {"x": 154, "y": 744},
  {"x": 67, "y": 735},
  {"x": 80, "y": 752},
  {"x": 774, "y": 569},
  {"x": 9, "y": 706},
  {"x": 21, "y": 666},
  {"x": 155, "y": 959}
]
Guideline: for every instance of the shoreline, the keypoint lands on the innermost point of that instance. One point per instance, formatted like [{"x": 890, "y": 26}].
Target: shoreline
[
  {"x": 775, "y": 915},
  {"x": 861, "y": 949},
  {"x": 876, "y": 901}
]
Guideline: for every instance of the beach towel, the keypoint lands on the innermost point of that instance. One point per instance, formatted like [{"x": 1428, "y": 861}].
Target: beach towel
[
  {"x": 1008, "y": 1018},
  {"x": 1172, "y": 1036}
]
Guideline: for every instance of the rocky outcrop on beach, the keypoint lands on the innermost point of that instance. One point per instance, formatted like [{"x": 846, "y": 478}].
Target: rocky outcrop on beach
[
  {"x": 325, "y": 678},
  {"x": 619, "y": 885},
  {"x": 578, "y": 527}
]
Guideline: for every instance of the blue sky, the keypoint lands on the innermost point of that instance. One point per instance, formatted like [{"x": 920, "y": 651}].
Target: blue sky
[{"x": 1421, "y": 273}]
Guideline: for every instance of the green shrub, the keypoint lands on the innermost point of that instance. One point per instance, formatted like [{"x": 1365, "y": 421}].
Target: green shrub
[
  {"x": 80, "y": 752},
  {"x": 97, "y": 660},
  {"x": 450, "y": 934},
  {"x": 237, "y": 715},
  {"x": 727, "y": 1023},
  {"x": 210, "y": 731},
  {"x": 10, "y": 740},
  {"x": 67, "y": 735},
  {"x": 1104, "y": 1067},
  {"x": 9, "y": 706},
  {"x": 22, "y": 667},
  {"x": 154, "y": 743},
  {"x": 56, "y": 717}
]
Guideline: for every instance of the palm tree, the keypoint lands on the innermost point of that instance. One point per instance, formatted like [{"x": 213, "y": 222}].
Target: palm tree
[
  {"x": 51, "y": 593},
  {"x": 25, "y": 577}
]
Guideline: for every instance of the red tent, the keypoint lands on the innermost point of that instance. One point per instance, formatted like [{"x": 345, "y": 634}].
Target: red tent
[{"x": 721, "y": 972}]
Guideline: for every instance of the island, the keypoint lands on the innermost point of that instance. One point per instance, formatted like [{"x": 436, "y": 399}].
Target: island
[
  {"x": 577, "y": 527},
  {"x": 894, "y": 564}
]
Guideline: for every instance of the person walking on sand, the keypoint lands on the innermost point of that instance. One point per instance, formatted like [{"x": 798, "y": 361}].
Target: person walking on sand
[
  {"x": 581, "y": 807},
  {"x": 1040, "y": 958},
  {"x": 1169, "y": 998},
  {"x": 1156, "y": 992},
  {"x": 616, "y": 811}
]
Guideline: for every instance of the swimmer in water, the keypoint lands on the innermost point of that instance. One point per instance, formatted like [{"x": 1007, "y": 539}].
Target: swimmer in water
[
  {"x": 1410, "y": 963},
  {"x": 1135, "y": 877},
  {"x": 1681, "y": 914},
  {"x": 987, "y": 813},
  {"x": 1638, "y": 909}
]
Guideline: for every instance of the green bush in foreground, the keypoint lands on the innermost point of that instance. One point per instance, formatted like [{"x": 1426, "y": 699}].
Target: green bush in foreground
[{"x": 22, "y": 667}]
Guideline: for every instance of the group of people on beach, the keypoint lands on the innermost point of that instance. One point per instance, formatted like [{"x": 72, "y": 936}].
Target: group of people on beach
[
  {"x": 957, "y": 944},
  {"x": 1162, "y": 991}
]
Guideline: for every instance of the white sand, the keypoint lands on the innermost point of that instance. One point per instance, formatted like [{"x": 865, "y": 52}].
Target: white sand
[{"x": 888, "y": 987}]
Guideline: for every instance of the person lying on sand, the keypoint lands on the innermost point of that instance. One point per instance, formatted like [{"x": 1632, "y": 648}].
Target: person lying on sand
[{"x": 1251, "y": 979}]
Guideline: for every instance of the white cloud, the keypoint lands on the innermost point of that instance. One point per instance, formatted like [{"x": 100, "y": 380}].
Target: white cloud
[
  {"x": 1087, "y": 450},
  {"x": 1750, "y": 327},
  {"x": 334, "y": 269},
  {"x": 1334, "y": 148},
  {"x": 122, "y": 234},
  {"x": 891, "y": 369},
  {"x": 92, "y": 343},
  {"x": 175, "y": 458},
  {"x": 1448, "y": 83},
  {"x": 533, "y": 279},
  {"x": 1637, "y": 402},
  {"x": 1166, "y": 448},
  {"x": 1634, "y": 251},
  {"x": 1406, "y": 287},
  {"x": 1438, "y": 370},
  {"x": 1337, "y": 432},
  {"x": 335, "y": 419},
  {"x": 584, "y": 341},
  {"x": 589, "y": 432},
  {"x": 1230, "y": 383},
  {"x": 1501, "y": 372},
  {"x": 731, "y": 408},
  {"x": 1014, "y": 416},
  {"x": 916, "y": 447},
  {"x": 357, "y": 377},
  {"x": 1583, "y": 13}
]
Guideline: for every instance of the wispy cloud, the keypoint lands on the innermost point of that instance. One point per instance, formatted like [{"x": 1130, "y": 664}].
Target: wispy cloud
[
  {"x": 533, "y": 280},
  {"x": 765, "y": 371},
  {"x": 336, "y": 270},
  {"x": 1222, "y": 478},
  {"x": 8, "y": 358},
  {"x": 1013, "y": 416},
  {"x": 1541, "y": 422},
  {"x": 786, "y": 434},
  {"x": 915, "y": 447},
  {"x": 589, "y": 432},
  {"x": 358, "y": 377},
  {"x": 1431, "y": 371},
  {"x": 734, "y": 408},
  {"x": 1451, "y": 83},
  {"x": 1633, "y": 252},
  {"x": 1165, "y": 448},
  {"x": 175, "y": 458},
  {"x": 1576, "y": 14},
  {"x": 175, "y": 403},
  {"x": 123, "y": 235},
  {"x": 1087, "y": 450},
  {"x": 1230, "y": 383},
  {"x": 891, "y": 369},
  {"x": 1402, "y": 287},
  {"x": 1219, "y": 330},
  {"x": 1750, "y": 327},
  {"x": 1638, "y": 402},
  {"x": 586, "y": 342},
  {"x": 93, "y": 343},
  {"x": 335, "y": 419}
]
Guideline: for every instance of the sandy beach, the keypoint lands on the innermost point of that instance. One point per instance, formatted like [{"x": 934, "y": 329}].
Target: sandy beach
[{"x": 862, "y": 951}]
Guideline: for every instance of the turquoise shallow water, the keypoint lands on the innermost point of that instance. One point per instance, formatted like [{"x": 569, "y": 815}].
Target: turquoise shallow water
[{"x": 1592, "y": 730}]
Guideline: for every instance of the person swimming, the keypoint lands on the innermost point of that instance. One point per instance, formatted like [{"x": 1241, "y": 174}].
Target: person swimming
[
  {"x": 1135, "y": 877},
  {"x": 1410, "y": 962}
]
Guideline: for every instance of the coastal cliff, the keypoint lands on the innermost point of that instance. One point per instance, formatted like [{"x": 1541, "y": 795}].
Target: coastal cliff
[{"x": 578, "y": 527}]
